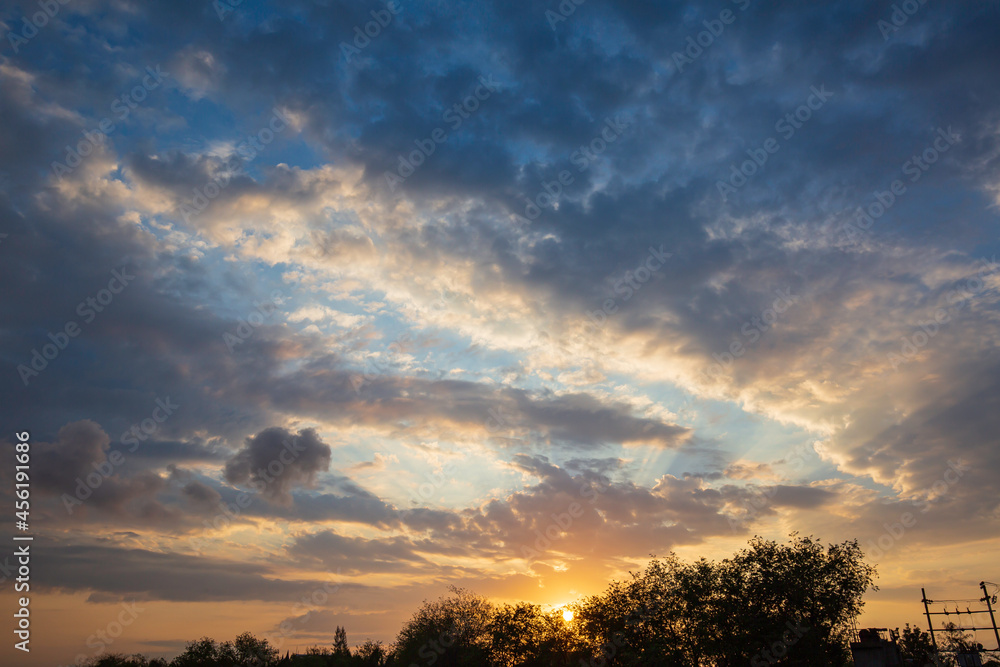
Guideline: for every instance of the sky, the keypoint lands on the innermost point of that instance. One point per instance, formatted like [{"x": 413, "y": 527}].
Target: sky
[{"x": 507, "y": 296}]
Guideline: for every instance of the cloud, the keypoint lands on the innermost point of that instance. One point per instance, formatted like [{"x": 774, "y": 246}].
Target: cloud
[
  {"x": 275, "y": 461},
  {"x": 509, "y": 360},
  {"x": 331, "y": 551},
  {"x": 201, "y": 494},
  {"x": 79, "y": 448},
  {"x": 379, "y": 462},
  {"x": 149, "y": 575},
  {"x": 76, "y": 472}
]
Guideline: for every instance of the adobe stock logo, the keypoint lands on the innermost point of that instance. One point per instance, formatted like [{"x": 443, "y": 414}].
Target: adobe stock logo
[
  {"x": 697, "y": 44},
  {"x": 915, "y": 168},
  {"x": 246, "y": 152},
  {"x": 372, "y": 29},
  {"x": 30, "y": 28},
  {"x": 247, "y": 327},
  {"x": 786, "y": 126},
  {"x": 122, "y": 106},
  {"x": 779, "y": 649},
  {"x": 101, "y": 639},
  {"x": 455, "y": 116},
  {"x": 587, "y": 154},
  {"x": 753, "y": 329},
  {"x": 88, "y": 310},
  {"x": 899, "y": 17},
  {"x": 566, "y": 9},
  {"x": 920, "y": 338},
  {"x": 85, "y": 486},
  {"x": 628, "y": 285},
  {"x": 894, "y": 532}
]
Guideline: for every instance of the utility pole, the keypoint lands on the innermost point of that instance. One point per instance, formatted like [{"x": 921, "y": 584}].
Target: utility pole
[
  {"x": 929, "y": 624},
  {"x": 986, "y": 599}
]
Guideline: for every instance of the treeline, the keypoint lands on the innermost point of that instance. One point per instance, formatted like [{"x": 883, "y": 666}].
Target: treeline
[{"x": 770, "y": 604}]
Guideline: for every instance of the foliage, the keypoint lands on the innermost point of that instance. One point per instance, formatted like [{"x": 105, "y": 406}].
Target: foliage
[
  {"x": 204, "y": 651},
  {"x": 916, "y": 645},
  {"x": 451, "y": 632},
  {"x": 121, "y": 660},
  {"x": 776, "y": 604},
  {"x": 340, "y": 649},
  {"x": 246, "y": 651},
  {"x": 769, "y": 604},
  {"x": 958, "y": 641},
  {"x": 525, "y": 635},
  {"x": 370, "y": 654}
]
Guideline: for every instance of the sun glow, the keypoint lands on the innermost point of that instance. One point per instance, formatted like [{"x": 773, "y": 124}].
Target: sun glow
[{"x": 567, "y": 615}]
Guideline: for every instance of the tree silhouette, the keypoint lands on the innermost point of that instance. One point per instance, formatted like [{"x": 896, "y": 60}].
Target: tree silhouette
[
  {"x": 202, "y": 651},
  {"x": 778, "y": 604},
  {"x": 525, "y": 635},
  {"x": 370, "y": 654},
  {"x": 916, "y": 645},
  {"x": 246, "y": 651},
  {"x": 769, "y": 604},
  {"x": 451, "y": 632},
  {"x": 957, "y": 640},
  {"x": 121, "y": 660},
  {"x": 340, "y": 649}
]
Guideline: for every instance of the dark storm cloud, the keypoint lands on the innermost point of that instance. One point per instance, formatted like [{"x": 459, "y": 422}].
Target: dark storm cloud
[
  {"x": 964, "y": 408},
  {"x": 83, "y": 481},
  {"x": 74, "y": 453},
  {"x": 801, "y": 496},
  {"x": 149, "y": 575},
  {"x": 71, "y": 259},
  {"x": 580, "y": 418},
  {"x": 574, "y": 419},
  {"x": 350, "y": 504},
  {"x": 276, "y": 461},
  {"x": 361, "y": 507},
  {"x": 201, "y": 494},
  {"x": 351, "y": 555},
  {"x": 75, "y": 473}
]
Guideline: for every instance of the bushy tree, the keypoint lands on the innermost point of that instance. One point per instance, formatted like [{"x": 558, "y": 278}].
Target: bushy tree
[
  {"x": 246, "y": 651},
  {"x": 525, "y": 635},
  {"x": 641, "y": 621},
  {"x": 916, "y": 646},
  {"x": 771, "y": 603},
  {"x": 957, "y": 640},
  {"x": 799, "y": 597},
  {"x": 204, "y": 651},
  {"x": 370, "y": 654},
  {"x": 450, "y": 632},
  {"x": 249, "y": 651},
  {"x": 514, "y": 633}
]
